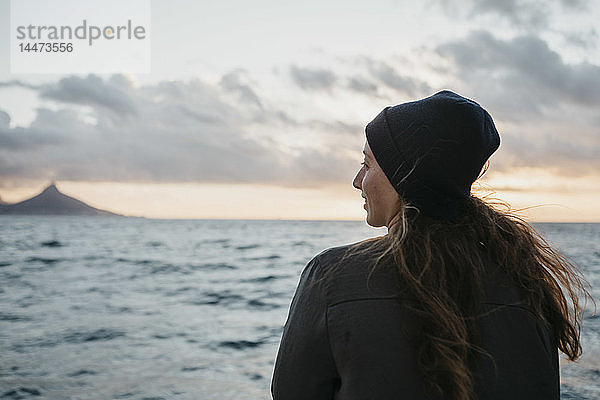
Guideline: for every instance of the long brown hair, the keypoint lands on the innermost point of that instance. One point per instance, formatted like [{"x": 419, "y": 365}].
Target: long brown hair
[{"x": 440, "y": 264}]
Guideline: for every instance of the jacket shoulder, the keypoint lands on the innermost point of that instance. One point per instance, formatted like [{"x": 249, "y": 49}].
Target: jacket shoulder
[
  {"x": 353, "y": 272},
  {"x": 324, "y": 262},
  {"x": 345, "y": 255}
]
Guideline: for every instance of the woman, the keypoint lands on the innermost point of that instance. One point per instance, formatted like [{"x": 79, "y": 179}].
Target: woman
[{"x": 458, "y": 301}]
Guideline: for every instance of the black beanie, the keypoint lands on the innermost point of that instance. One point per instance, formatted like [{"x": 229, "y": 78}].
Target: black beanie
[{"x": 432, "y": 150}]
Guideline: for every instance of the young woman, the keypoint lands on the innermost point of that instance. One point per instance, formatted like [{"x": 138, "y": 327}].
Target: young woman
[{"x": 458, "y": 301}]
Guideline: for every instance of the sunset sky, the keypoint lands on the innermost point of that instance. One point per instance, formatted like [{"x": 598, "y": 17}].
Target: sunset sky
[{"x": 257, "y": 109}]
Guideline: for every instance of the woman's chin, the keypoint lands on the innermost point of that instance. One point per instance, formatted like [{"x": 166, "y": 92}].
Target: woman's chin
[{"x": 374, "y": 222}]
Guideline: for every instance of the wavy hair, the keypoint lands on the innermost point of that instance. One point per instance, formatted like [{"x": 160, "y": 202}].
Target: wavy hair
[{"x": 441, "y": 264}]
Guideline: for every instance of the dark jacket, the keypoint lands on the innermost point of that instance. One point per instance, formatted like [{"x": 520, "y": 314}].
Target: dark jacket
[{"x": 348, "y": 336}]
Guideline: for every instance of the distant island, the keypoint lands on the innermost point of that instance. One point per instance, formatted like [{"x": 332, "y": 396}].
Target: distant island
[{"x": 51, "y": 202}]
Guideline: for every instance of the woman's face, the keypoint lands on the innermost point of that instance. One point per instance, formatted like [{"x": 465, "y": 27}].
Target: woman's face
[{"x": 381, "y": 199}]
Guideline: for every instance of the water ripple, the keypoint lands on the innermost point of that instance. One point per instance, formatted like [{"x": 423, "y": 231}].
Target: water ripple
[
  {"x": 51, "y": 243},
  {"x": 20, "y": 392}
]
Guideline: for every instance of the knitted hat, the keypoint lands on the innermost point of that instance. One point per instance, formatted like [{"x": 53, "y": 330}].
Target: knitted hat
[{"x": 432, "y": 150}]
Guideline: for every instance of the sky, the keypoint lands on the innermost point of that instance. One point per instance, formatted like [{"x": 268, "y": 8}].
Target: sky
[{"x": 257, "y": 109}]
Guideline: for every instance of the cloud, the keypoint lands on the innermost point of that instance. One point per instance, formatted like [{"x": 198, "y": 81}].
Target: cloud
[
  {"x": 581, "y": 5},
  {"x": 18, "y": 83},
  {"x": 369, "y": 76},
  {"x": 313, "y": 79},
  {"x": 525, "y": 15},
  {"x": 362, "y": 85},
  {"x": 391, "y": 78},
  {"x": 521, "y": 13},
  {"x": 525, "y": 67},
  {"x": 546, "y": 106},
  {"x": 4, "y": 119},
  {"x": 46, "y": 130},
  {"x": 231, "y": 131},
  {"x": 585, "y": 40},
  {"x": 93, "y": 91},
  {"x": 171, "y": 131},
  {"x": 233, "y": 81},
  {"x": 336, "y": 127}
]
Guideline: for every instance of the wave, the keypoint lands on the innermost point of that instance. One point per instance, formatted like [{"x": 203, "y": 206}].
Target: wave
[
  {"x": 191, "y": 369},
  {"x": 178, "y": 291},
  {"x": 213, "y": 241},
  {"x": 19, "y": 392},
  {"x": 81, "y": 372},
  {"x": 44, "y": 260},
  {"x": 76, "y": 337},
  {"x": 135, "y": 262},
  {"x": 92, "y": 336},
  {"x": 159, "y": 336},
  {"x": 257, "y": 303},
  {"x": 156, "y": 266},
  {"x": 241, "y": 344},
  {"x": 51, "y": 243},
  {"x": 13, "y": 317},
  {"x": 212, "y": 266},
  {"x": 167, "y": 269},
  {"x": 29, "y": 300},
  {"x": 254, "y": 376},
  {"x": 221, "y": 298},
  {"x": 263, "y": 279},
  {"x": 248, "y": 247},
  {"x": 269, "y": 257}
]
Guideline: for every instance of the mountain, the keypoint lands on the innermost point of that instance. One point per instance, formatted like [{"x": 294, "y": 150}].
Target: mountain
[{"x": 51, "y": 202}]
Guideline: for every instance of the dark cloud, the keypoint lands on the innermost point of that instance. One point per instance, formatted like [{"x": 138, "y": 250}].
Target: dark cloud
[
  {"x": 4, "y": 119},
  {"x": 195, "y": 131},
  {"x": 313, "y": 79},
  {"x": 362, "y": 85},
  {"x": 233, "y": 81},
  {"x": 581, "y": 5},
  {"x": 92, "y": 91},
  {"x": 391, "y": 78},
  {"x": 45, "y": 130},
  {"x": 528, "y": 15},
  {"x": 554, "y": 151},
  {"x": 547, "y": 105},
  {"x": 381, "y": 74},
  {"x": 585, "y": 40},
  {"x": 525, "y": 67},
  {"x": 521, "y": 13},
  {"x": 20, "y": 139},
  {"x": 180, "y": 131},
  {"x": 18, "y": 83}
]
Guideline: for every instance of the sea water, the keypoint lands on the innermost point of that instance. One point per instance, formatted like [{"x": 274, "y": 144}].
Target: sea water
[{"x": 131, "y": 308}]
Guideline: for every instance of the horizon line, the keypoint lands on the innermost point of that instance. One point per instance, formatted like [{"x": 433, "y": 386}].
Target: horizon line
[{"x": 250, "y": 219}]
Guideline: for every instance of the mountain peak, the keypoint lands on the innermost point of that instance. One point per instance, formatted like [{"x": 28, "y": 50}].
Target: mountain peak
[
  {"x": 52, "y": 202},
  {"x": 51, "y": 188}
]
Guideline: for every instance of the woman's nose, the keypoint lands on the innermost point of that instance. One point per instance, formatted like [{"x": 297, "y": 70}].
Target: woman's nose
[{"x": 357, "y": 182}]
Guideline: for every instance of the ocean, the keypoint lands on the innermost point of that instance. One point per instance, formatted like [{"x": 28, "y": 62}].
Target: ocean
[{"x": 133, "y": 308}]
